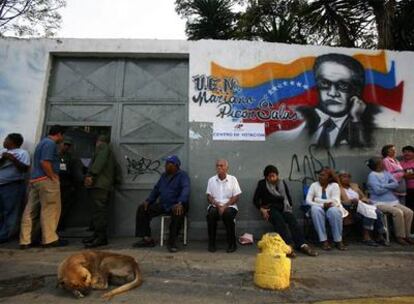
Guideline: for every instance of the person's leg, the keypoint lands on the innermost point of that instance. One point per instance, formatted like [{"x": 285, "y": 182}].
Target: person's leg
[
  {"x": 297, "y": 235},
  {"x": 176, "y": 223},
  {"x": 398, "y": 220},
  {"x": 408, "y": 219},
  {"x": 334, "y": 216},
  {"x": 49, "y": 195},
  {"x": 31, "y": 211},
  {"x": 100, "y": 200},
  {"x": 229, "y": 215},
  {"x": 277, "y": 219},
  {"x": 10, "y": 198},
  {"x": 318, "y": 220},
  {"x": 67, "y": 194},
  {"x": 212, "y": 218},
  {"x": 143, "y": 219}
]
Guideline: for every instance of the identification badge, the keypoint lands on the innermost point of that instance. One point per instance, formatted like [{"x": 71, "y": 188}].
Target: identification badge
[{"x": 63, "y": 167}]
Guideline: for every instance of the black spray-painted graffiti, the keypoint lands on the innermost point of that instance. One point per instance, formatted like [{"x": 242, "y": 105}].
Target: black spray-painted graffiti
[
  {"x": 306, "y": 172},
  {"x": 136, "y": 167}
]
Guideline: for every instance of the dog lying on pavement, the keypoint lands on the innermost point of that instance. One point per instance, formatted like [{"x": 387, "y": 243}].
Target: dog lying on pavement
[{"x": 87, "y": 270}]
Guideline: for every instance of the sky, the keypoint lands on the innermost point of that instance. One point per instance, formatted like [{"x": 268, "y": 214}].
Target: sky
[{"x": 149, "y": 19}]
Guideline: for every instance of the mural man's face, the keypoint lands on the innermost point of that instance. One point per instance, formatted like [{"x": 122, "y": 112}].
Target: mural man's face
[{"x": 335, "y": 88}]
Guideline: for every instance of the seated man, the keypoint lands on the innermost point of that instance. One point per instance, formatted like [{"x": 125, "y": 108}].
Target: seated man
[
  {"x": 173, "y": 190},
  {"x": 223, "y": 192},
  {"x": 273, "y": 199}
]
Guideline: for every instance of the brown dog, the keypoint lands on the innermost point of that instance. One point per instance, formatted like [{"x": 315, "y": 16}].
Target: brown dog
[{"x": 81, "y": 272}]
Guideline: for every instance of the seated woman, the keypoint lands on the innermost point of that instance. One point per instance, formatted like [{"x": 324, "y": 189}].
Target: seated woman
[
  {"x": 381, "y": 185},
  {"x": 351, "y": 196},
  {"x": 325, "y": 200},
  {"x": 273, "y": 199}
]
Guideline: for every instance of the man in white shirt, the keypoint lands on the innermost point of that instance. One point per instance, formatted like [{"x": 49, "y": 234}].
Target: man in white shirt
[
  {"x": 341, "y": 117},
  {"x": 223, "y": 192},
  {"x": 14, "y": 164}
]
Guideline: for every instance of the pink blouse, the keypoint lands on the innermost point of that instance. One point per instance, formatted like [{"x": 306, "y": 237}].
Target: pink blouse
[{"x": 394, "y": 167}]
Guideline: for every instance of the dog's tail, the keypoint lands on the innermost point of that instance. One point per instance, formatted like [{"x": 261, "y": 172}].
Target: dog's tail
[{"x": 128, "y": 286}]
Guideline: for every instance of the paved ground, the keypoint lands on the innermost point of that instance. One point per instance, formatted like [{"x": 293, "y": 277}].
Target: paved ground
[{"x": 194, "y": 275}]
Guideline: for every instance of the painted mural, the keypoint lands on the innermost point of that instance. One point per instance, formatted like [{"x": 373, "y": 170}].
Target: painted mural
[{"x": 332, "y": 97}]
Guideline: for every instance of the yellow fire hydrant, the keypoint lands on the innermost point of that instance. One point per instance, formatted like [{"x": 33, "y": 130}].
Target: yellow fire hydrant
[{"x": 272, "y": 266}]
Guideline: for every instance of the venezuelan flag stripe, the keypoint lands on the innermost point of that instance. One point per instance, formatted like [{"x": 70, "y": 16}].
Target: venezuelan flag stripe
[
  {"x": 268, "y": 71},
  {"x": 390, "y": 98},
  {"x": 385, "y": 80}
]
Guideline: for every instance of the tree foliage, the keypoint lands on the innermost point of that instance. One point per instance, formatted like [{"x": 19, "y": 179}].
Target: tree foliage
[
  {"x": 274, "y": 21},
  {"x": 208, "y": 19},
  {"x": 387, "y": 24},
  {"x": 30, "y": 17}
]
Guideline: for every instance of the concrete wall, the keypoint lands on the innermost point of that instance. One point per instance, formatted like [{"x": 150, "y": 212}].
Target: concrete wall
[{"x": 24, "y": 78}]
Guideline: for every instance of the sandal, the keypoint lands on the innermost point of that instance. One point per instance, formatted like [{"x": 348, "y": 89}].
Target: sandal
[
  {"x": 340, "y": 246},
  {"x": 325, "y": 246},
  {"x": 371, "y": 243}
]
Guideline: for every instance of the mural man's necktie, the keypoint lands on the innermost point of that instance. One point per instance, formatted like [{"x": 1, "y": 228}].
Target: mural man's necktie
[{"x": 325, "y": 139}]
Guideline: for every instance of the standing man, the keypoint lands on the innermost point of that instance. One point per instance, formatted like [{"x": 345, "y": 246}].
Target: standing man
[
  {"x": 70, "y": 175},
  {"x": 173, "y": 191},
  {"x": 223, "y": 192},
  {"x": 341, "y": 116},
  {"x": 100, "y": 180},
  {"x": 44, "y": 191},
  {"x": 14, "y": 164}
]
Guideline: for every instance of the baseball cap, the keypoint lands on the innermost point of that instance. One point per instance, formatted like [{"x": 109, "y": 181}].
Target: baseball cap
[
  {"x": 68, "y": 140},
  {"x": 174, "y": 160}
]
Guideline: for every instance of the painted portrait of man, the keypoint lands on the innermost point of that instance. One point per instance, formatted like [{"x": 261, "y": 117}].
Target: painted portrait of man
[{"x": 341, "y": 116}]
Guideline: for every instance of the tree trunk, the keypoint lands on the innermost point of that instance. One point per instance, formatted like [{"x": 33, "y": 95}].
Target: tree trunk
[{"x": 384, "y": 12}]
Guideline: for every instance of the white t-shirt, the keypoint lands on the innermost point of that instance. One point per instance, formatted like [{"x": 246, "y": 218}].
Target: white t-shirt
[
  {"x": 8, "y": 172},
  {"x": 223, "y": 190}
]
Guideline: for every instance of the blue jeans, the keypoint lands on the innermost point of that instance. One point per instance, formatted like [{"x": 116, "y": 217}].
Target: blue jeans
[
  {"x": 372, "y": 224},
  {"x": 334, "y": 217},
  {"x": 11, "y": 196}
]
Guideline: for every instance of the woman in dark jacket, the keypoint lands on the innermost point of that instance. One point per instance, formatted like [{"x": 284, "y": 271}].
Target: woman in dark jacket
[{"x": 273, "y": 199}]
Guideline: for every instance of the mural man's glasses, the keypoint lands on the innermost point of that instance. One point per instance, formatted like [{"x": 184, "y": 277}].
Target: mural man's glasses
[{"x": 343, "y": 86}]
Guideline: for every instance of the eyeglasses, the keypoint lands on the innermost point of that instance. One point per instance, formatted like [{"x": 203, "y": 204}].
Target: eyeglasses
[{"x": 342, "y": 86}]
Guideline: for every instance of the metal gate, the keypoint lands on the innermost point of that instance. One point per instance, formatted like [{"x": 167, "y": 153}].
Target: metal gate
[{"x": 143, "y": 101}]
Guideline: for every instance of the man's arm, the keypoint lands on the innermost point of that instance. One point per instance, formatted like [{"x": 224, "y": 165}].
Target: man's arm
[
  {"x": 185, "y": 189},
  {"x": 101, "y": 158},
  {"x": 48, "y": 169},
  {"x": 22, "y": 167},
  {"x": 233, "y": 200}
]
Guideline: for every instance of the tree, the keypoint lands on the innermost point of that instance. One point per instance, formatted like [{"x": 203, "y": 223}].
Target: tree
[
  {"x": 404, "y": 26},
  {"x": 30, "y": 17},
  {"x": 273, "y": 20},
  {"x": 208, "y": 19},
  {"x": 346, "y": 23}
]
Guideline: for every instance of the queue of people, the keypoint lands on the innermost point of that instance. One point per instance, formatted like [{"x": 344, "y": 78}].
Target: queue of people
[{"x": 330, "y": 199}]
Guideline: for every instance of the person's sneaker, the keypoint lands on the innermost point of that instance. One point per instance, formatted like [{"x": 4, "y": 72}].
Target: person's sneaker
[
  {"x": 88, "y": 239},
  {"x": 24, "y": 246},
  {"x": 212, "y": 247},
  {"x": 172, "y": 248},
  {"x": 144, "y": 243},
  {"x": 306, "y": 249},
  {"x": 57, "y": 243},
  {"x": 97, "y": 243},
  {"x": 231, "y": 248}
]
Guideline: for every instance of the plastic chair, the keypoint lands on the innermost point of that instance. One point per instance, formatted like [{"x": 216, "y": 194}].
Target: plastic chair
[{"x": 163, "y": 233}]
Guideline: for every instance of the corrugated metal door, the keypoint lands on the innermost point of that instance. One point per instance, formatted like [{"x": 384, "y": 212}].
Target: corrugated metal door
[{"x": 144, "y": 101}]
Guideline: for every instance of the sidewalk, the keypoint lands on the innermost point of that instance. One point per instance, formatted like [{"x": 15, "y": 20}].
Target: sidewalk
[{"x": 194, "y": 275}]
